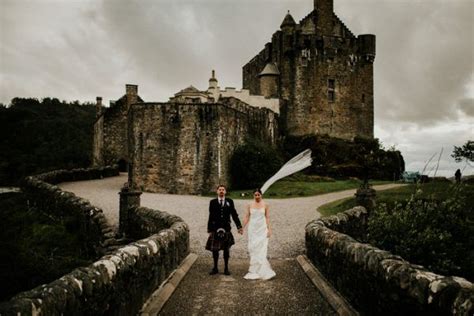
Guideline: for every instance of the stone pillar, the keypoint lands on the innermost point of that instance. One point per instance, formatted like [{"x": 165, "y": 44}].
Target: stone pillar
[
  {"x": 129, "y": 199},
  {"x": 365, "y": 196}
]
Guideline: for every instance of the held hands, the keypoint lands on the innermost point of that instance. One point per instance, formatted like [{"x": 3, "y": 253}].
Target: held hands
[
  {"x": 269, "y": 233},
  {"x": 241, "y": 231}
]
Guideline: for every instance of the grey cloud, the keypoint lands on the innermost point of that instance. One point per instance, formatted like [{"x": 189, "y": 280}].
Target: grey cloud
[
  {"x": 424, "y": 55},
  {"x": 467, "y": 106}
]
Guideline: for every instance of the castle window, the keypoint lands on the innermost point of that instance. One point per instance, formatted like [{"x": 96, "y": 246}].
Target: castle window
[
  {"x": 331, "y": 96},
  {"x": 331, "y": 90},
  {"x": 363, "y": 98}
]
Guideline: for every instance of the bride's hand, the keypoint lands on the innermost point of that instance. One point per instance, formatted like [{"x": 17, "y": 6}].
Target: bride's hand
[{"x": 269, "y": 233}]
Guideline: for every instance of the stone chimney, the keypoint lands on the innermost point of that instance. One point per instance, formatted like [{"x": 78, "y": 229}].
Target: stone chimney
[
  {"x": 98, "y": 106},
  {"x": 213, "y": 89},
  {"x": 213, "y": 81},
  {"x": 324, "y": 16},
  {"x": 131, "y": 91}
]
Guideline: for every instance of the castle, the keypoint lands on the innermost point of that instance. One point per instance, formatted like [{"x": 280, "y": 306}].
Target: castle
[{"x": 314, "y": 77}]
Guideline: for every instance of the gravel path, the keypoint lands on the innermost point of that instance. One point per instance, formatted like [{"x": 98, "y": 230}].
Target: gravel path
[
  {"x": 288, "y": 216},
  {"x": 289, "y": 293}
]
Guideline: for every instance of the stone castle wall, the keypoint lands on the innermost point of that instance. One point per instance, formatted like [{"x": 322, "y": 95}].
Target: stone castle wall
[
  {"x": 98, "y": 142},
  {"x": 375, "y": 281},
  {"x": 115, "y": 132},
  {"x": 307, "y": 62},
  {"x": 185, "y": 148}
]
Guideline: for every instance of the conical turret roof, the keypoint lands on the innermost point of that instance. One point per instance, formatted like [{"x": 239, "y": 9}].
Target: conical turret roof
[
  {"x": 288, "y": 20},
  {"x": 270, "y": 69}
]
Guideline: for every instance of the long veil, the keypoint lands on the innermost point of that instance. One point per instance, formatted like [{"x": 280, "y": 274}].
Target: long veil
[{"x": 295, "y": 164}]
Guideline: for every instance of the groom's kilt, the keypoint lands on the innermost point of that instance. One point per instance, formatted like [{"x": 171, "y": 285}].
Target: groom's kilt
[{"x": 214, "y": 243}]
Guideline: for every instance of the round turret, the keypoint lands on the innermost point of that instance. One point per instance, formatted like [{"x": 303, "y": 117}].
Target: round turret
[
  {"x": 367, "y": 46},
  {"x": 269, "y": 81},
  {"x": 288, "y": 23}
]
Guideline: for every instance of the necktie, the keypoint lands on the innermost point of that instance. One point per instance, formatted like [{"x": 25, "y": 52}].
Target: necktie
[{"x": 222, "y": 203}]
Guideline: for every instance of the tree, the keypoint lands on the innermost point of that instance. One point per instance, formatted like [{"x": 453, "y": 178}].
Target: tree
[{"x": 464, "y": 152}]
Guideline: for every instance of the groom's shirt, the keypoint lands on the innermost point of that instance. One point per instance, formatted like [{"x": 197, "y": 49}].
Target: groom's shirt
[{"x": 220, "y": 212}]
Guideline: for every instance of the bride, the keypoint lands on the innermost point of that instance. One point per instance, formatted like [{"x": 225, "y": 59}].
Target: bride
[{"x": 257, "y": 216}]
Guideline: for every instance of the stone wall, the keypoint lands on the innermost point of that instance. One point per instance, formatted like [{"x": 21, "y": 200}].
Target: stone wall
[
  {"x": 114, "y": 134},
  {"x": 186, "y": 148},
  {"x": 118, "y": 283},
  {"x": 98, "y": 142},
  {"x": 110, "y": 145},
  {"x": 41, "y": 191},
  {"x": 375, "y": 281}
]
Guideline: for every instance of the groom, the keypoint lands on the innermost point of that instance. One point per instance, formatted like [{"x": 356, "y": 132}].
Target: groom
[{"x": 218, "y": 227}]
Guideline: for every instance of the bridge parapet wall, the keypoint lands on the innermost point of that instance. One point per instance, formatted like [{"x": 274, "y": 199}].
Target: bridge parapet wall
[
  {"x": 41, "y": 191},
  {"x": 376, "y": 281},
  {"x": 118, "y": 283}
]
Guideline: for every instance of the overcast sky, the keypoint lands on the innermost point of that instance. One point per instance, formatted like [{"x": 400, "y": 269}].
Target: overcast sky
[{"x": 77, "y": 50}]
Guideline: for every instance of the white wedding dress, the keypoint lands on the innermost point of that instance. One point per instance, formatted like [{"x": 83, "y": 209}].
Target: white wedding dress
[{"x": 257, "y": 245}]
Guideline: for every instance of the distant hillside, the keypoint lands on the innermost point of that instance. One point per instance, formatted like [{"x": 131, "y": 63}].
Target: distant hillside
[{"x": 43, "y": 135}]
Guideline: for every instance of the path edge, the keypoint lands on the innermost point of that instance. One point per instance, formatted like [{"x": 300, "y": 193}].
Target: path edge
[
  {"x": 158, "y": 299},
  {"x": 332, "y": 296}
]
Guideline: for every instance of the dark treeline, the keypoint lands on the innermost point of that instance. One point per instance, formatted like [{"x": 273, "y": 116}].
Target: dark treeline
[{"x": 38, "y": 136}]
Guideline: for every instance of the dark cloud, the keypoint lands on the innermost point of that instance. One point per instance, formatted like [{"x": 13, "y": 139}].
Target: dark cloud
[{"x": 467, "y": 106}]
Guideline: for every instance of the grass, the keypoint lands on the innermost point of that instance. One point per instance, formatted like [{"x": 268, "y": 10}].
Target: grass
[
  {"x": 296, "y": 188},
  {"x": 34, "y": 248},
  {"x": 432, "y": 190}
]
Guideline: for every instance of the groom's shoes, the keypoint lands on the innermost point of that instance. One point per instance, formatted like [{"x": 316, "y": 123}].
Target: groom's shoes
[
  {"x": 226, "y": 272},
  {"x": 214, "y": 271}
]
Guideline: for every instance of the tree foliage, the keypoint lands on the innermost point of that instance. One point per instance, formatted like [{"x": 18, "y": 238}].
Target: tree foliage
[
  {"x": 340, "y": 158},
  {"x": 252, "y": 164},
  {"x": 43, "y": 135},
  {"x": 466, "y": 151},
  {"x": 35, "y": 248}
]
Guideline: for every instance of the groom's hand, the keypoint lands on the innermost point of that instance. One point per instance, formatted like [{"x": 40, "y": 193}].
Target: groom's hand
[{"x": 241, "y": 231}]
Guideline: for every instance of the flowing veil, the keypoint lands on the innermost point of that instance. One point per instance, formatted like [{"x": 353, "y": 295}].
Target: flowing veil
[{"x": 295, "y": 164}]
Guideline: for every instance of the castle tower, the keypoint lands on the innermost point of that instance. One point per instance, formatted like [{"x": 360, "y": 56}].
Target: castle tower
[
  {"x": 269, "y": 81},
  {"x": 325, "y": 75}
]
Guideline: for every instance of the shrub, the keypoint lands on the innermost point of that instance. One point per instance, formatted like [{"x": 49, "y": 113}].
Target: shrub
[
  {"x": 436, "y": 234},
  {"x": 252, "y": 164}
]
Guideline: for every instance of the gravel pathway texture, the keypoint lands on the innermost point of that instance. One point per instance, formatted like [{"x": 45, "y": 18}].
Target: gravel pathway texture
[
  {"x": 289, "y": 293},
  {"x": 288, "y": 216}
]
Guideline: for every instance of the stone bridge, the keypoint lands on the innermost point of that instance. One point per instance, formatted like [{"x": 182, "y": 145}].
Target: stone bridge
[{"x": 291, "y": 291}]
